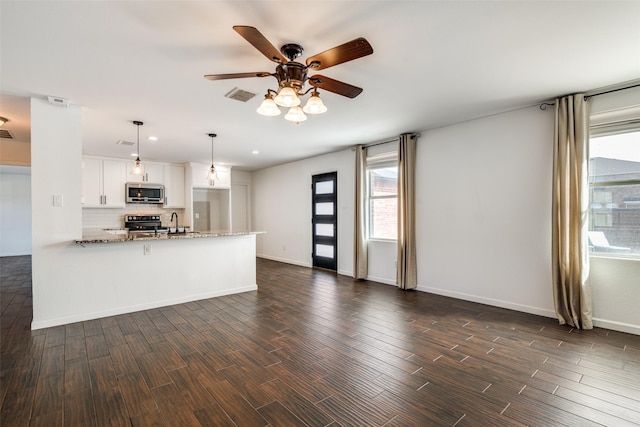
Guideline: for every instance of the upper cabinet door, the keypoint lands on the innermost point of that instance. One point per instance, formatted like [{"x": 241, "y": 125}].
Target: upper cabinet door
[
  {"x": 114, "y": 178},
  {"x": 103, "y": 183},
  {"x": 174, "y": 186},
  {"x": 91, "y": 183}
]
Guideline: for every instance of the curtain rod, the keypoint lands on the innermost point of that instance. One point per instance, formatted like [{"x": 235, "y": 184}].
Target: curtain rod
[
  {"x": 373, "y": 144},
  {"x": 611, "y": 91},
  {"x": 544, "y": 105}
]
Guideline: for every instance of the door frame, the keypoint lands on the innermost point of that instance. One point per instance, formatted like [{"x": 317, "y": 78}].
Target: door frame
[{"x": 316, "y": 260}]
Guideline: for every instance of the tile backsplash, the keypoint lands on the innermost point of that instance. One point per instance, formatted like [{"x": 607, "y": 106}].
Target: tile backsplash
[{"x": 114, "y": 218}]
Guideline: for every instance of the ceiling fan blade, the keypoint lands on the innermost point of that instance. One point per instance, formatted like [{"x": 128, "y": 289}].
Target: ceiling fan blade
[
  {"x": 345, "y": 52},
  {"x": 261, "y": 43},
  {"x": 334, "y": 86},
  {"x": 236, "y": 75}
]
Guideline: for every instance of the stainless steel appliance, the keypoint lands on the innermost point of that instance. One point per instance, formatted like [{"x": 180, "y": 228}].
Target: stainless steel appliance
[
  {"x": 144, "y": 224},
  {"x": 142, "y": 192}
]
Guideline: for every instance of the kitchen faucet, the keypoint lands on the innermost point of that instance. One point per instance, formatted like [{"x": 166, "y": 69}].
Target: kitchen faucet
[{"x": 176, "y": 215}]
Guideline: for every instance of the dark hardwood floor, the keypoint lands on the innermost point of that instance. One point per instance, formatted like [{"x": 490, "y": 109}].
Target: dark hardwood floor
[{"x": 311, "y": 348}]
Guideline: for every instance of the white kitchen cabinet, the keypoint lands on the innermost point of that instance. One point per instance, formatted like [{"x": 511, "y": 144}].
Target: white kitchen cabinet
[
  {"x": 174, "y": 186},
  {"x": 153, "y": 173},
  {"x": 223, "y": 179},
  {"x": 200, "y": 174},
  {"x": 103, "y": 183}
]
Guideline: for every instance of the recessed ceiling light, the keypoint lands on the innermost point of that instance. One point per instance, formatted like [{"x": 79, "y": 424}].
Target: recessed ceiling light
[
  {"x": 134, "y": 154},
  {"x": 153, "y": 138},
  {"x": 255, "y": 152}
]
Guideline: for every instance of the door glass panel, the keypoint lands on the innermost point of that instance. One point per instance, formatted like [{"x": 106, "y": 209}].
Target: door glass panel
[
  {"x": 324, "y": 187},
  {"x": 324, "y": 250},
  {"x": 324, "y": 230},
  {"x": 324, "y": 208}
]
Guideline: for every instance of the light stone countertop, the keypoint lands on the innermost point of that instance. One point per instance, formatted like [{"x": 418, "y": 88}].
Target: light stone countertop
[{"x": 90, "y": 236}]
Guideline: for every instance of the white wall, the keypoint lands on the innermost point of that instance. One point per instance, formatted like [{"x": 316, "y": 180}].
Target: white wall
[
  {"x": 484, "y": 210},
  {"x": 15, "y": 210},
  {"x": 56, "y": 155},
  {"x": 282, "y": 207}
]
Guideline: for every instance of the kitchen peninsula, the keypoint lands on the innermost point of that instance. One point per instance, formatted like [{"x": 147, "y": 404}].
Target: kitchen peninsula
[{"x": 125, "y": 273}]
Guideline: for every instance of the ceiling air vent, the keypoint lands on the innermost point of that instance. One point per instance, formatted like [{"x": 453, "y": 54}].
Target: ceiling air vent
[
  {"x": 240, "y": 95},
  {"x": 56, "y": 100},
  {"x": 5, "y": 134},
  {"x": 123, "y": 142}
]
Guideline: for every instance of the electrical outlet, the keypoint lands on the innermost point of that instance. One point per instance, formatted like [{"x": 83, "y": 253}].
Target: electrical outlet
[{"x": 147, "y": 249}]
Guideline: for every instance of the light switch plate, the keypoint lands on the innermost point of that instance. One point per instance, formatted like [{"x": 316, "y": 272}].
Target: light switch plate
[
  {"x": 147, "y": 249},
  {"x": 57, "y": 200}
]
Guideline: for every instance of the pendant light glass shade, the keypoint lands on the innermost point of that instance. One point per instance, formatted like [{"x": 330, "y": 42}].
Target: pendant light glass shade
[
  {"x": 314, "y": 105},
  {"x": 268, "y": 107},
  {"x": 295, "y": 114},
  {"x": 287, "y": 97},
  {"x": 138, "y": 169}
]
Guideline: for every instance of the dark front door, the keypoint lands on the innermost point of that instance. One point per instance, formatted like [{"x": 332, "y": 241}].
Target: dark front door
[{"x": 324, "y": 220}]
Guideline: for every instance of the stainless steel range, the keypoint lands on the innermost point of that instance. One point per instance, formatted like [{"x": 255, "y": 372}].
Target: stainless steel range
[{"x": 144, "y": 224}]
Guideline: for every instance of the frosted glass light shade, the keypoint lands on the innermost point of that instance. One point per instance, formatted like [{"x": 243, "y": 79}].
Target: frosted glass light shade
[
  {"x": 315, "y": 105},
  {"x": 138, "y": 169},
  {"x": 295, "y": 114},
  {"x": 268, "y": 107},
  {"x": 287, "y": 97}
]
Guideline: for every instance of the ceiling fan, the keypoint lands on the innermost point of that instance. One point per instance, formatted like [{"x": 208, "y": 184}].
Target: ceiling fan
[{"x": 292, "y": 75}]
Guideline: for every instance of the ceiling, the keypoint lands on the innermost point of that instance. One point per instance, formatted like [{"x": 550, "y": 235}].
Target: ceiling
[{"x": 434, "y": 63}]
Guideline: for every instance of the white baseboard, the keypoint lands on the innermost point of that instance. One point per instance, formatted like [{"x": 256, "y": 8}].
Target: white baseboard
[
  {"x": 381, "y": 280},
  {"x": 490, "y": 301},
  {"x": 133, "y": 308},
  {"x": 617, "y": 326},
  {"x": 286, "y": 261}
]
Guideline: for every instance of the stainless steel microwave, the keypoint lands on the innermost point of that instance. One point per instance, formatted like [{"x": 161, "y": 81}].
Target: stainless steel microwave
[{"x": 141, "y": 192}]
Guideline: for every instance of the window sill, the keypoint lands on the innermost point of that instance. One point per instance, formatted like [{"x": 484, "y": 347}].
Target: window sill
[
  {"x": 383, "y": 240},
  {"x": 606, "y": 255}
]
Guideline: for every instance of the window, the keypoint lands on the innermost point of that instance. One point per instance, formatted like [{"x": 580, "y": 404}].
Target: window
[
  {"x": 383, "y": 201},
  {"x": 614, "y": 190}
]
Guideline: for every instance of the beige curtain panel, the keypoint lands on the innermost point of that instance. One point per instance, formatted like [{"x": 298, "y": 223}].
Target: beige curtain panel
[
  {"x": 407, "y": 275},
  {"x": 570, "y": 256},
  {"x": 360, "y": 266}
]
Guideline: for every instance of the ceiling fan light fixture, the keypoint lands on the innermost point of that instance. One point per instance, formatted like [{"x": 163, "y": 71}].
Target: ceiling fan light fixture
[
  {"x": 268, "y": 107},
  {"x": 138, "y": 168},
  {"x": 295, "y": 114},
  {"x": 287, "y": 97},
  {"x": 315, "y": 105}
]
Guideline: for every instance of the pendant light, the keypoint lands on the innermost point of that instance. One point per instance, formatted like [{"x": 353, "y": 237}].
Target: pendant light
[
  {"x": 138, "y": 169},
  {"x": 211, "y": 176}
]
